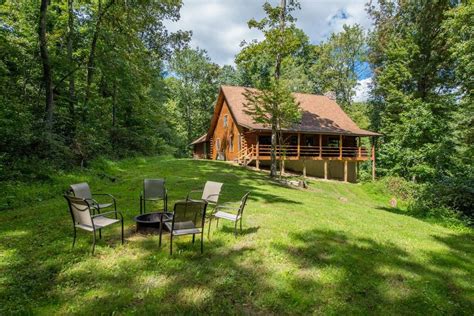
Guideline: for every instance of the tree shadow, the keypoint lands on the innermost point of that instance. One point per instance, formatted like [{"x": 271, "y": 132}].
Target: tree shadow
[
  {"x": 230, "y": 230},
  {"x": 374, "y": 277}
]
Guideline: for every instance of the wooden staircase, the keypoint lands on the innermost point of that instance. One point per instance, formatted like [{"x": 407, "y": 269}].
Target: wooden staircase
[{"x": 246, "y": 155}]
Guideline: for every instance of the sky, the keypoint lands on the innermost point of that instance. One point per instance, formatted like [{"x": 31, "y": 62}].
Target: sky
[{"x": 219, "y": 26}]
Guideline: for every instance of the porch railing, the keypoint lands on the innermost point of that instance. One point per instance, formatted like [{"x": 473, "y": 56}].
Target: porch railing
[{"x": 314, "y": 151}]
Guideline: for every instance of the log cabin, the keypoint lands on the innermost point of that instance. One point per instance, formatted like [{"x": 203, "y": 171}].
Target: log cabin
[{"x": 326, "y": 143}]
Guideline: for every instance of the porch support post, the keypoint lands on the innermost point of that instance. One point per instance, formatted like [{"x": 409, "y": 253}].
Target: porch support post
[
  {"x": 283, "y": 166},
  {"x": 325, "y": 169},
  {"x": 320, "y": 146},
  {"x": 304, "y": 168},
  {"x": 299, "y": 141},
  {"x": 345, "y": 170},
  {"x": 257, "y": 161},
  {"x": 373, "y": 158},
  {"x": 340, "y": 146},
  {"x": 358, "y": 147}
]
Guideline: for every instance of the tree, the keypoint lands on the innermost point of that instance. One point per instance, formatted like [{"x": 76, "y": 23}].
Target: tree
[
  {"x": 274, "y": 106},
  {"x": 340, "y": 62},
  {"x": 47, "y": 71},
  {"x": 280, "y": 42},
  {"x": 194, "y": 88}
]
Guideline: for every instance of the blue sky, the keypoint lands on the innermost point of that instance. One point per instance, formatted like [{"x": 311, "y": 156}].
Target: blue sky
[{"x": 219, "y": 26}]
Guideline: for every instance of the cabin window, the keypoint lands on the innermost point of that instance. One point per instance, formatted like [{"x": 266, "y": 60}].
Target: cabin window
[
  {"x": 239, "y": 144},
  {"x": 309, "y": 140},
  {"x": 231, "y": 143},
  {"x": 225, "y": 121},
  {"x": 218, "y": 144}
]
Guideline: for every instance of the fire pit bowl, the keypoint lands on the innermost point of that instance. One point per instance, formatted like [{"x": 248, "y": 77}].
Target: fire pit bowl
[{"x": 149, "y": 223}]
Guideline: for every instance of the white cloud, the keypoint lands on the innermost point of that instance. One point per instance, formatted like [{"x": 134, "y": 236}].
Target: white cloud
[
  {"x": 362, "y": 90},
  {"x": 219, "y": 26}
]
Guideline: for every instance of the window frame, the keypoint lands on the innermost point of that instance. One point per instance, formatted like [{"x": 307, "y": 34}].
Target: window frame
[{"x": 225, "y": 121}]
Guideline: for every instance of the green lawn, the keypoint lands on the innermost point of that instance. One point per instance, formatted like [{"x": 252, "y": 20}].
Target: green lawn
[{"x": 301, "y": 252}]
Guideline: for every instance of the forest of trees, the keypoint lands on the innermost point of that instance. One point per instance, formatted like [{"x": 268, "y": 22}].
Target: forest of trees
[{"x": 104, "y": 78}]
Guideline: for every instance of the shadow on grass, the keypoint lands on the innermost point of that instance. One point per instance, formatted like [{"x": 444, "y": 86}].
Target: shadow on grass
[
  {"x": 229, "y": 229},
  {"x": 369, "y": 276}
]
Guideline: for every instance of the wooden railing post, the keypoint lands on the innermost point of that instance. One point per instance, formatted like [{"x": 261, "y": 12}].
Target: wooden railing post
[
  {"x": 340, "y": 146},
  {"x": 257, "y": 161},
  {"x": 299, "y": 138},
  {"x": 359, "y": 154},
  {"x": 320, "y": 145}
]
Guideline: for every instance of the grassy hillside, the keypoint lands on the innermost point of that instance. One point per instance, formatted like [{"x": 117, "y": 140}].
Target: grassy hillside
[{"x": 335, "y": 248}]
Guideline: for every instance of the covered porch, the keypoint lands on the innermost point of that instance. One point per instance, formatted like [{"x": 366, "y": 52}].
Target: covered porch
[{"x": 299, "y": 149}]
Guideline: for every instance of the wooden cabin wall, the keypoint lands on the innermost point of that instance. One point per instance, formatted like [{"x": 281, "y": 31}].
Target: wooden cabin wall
[{"x": 225, "y": 135}]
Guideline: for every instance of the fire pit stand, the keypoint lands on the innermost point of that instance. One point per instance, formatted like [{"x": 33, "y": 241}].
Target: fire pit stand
[{"x": 149, "y": 223}]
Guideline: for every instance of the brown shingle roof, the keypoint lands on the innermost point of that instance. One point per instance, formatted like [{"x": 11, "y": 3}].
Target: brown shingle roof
[{"x": 320, "y": 114}]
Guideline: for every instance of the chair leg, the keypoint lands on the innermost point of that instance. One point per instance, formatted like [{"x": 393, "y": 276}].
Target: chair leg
[
  {"x": 202, "y": 241},
  {"x": 100, "y": 233},
  {"x": 209, "y": 230},
  {"x": 122, "y": 231},
  {"x": 217, "y": 224},
  {"x": 74, "y": 239},
  {"x": 235, "y": 229},
  {"x": 93, "y": 242},
  {"x": 194, "y": 236},
  {"x": 241, "y": 224},
  {"x": 171, "y": 243},
  {"x": 161, "y": 231}
]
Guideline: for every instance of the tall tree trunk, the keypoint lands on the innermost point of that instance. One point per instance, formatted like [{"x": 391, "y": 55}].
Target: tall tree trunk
[
  {"x": 47, "y": 71},
  {"x": 114, "y": 104},
  {"x": 273, "y": 167},
  {"x": 72, "y": 88},
  {"x": 91, "y": 60}
]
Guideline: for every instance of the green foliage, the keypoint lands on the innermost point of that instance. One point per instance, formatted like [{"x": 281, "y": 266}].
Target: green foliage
[
  {"x": 340, "y": 61},
  {"x": 423, "y": 99},
  {"x": 107, "y": 93},
  {"x": 194, "y": 88},
  {"x": 273, "y": 105}
]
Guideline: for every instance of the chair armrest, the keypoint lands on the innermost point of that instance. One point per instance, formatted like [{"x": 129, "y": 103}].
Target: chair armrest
[
  {"x": 105, "y": 194},
  {"x": 226, "y": 207},
  {"x": 194, "y": 191},
  {"x": 106, "y": 213}
]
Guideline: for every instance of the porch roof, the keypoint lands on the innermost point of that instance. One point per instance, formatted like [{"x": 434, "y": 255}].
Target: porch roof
[
  {"x": 320, "y": 114},
  {"x": 199, "y": 140}
]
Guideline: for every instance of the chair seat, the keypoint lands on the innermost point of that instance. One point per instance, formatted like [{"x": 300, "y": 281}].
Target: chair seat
[
  {"x": 99, "y": 222},
  {"x": 183, "y": 228},
  {"x": 224, "y": 215}
]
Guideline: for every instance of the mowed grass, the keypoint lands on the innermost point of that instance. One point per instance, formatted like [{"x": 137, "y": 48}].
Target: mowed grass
[{"x": 332, "y": 249}]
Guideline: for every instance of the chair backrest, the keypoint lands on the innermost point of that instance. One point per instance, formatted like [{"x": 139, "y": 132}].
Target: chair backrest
[
  {"x": 211, "y": 191},
  {"x": 81, "y": 190},
  {"x": 187, "y": 211},
  {"x": 154, "y": 188},
  {"x": 243, "y": 202},
  {"x": 80, "y": 210}
]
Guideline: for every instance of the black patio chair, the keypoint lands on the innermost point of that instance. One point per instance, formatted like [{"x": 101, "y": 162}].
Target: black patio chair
[
  {"x": 82, "y": 217},
  {"x": 82, "y": 190},
  {"x": 222, "y": 211},
  {"x": 153, "y": 190},
  {"x": 188, "y": 218}
]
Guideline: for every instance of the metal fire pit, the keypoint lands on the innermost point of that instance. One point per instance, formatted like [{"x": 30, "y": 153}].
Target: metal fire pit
[{"x": 149, "y": 223}]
